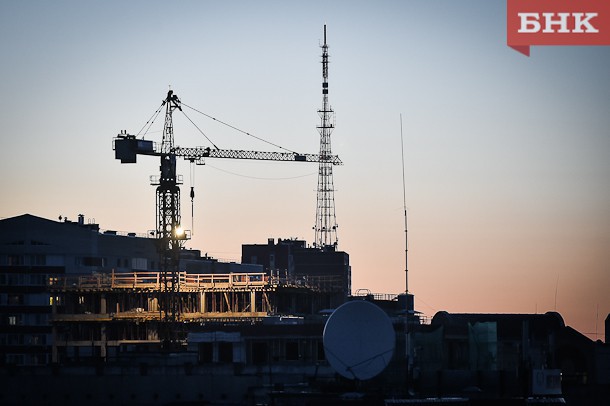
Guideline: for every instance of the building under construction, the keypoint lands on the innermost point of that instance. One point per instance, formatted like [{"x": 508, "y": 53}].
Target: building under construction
[{"x": 103, "y": 292}]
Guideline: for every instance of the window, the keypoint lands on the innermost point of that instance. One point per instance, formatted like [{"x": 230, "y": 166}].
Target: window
[
  {"x": 55, "y": 299},
  {"x": 56, "y": 260},
  {"x": 139, "y": 264},
  {"x": 260, "y": 352},
  {"x": 15, "y": 299},
  {"x": 92, "y": 261},
  {"x": 15, "y": 259},
  {"x": 37, "y": 299},
  {"x": 205, "y": 352},
  {"x": 39, "y": 259},
  {"x": 292, "y": 351},
  {"x": 225, "y": 352},
  {"x": 37, "y": 280},
  {"x": 14, "y": 279},
  {"x": 321, "y": 356},
  {"x": 41, "y": 319},
  {"x": 15, "y": 359},
  {"x": 38, "y": 339}
]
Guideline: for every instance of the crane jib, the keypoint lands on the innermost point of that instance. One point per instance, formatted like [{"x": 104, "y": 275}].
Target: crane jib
[
  {"x": 127, "y": 147},
  {"x": 195, "y": 153}
]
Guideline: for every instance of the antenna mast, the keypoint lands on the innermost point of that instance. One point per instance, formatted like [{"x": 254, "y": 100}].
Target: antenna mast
[
  {"x": 326, "y": 221},
  {"x": 404, "y": 200}
]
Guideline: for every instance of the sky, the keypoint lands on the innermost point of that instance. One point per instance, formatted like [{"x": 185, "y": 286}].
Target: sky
[{"x": 506, "y": 158}]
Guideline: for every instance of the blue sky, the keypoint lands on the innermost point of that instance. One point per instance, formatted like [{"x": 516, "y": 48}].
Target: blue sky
[{"x": 507, "y": 157}]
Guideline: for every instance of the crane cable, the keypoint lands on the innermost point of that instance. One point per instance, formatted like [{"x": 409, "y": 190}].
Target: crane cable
[
  {"x": 199, "y": 129},
  {"x": 192, "y": 173},
  {"x": 259, "y": 178},
  {"x": 236, "y": 129},
  {"x": 150, "y": 121}
]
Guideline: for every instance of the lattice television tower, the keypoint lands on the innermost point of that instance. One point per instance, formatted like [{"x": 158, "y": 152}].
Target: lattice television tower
[{"x": 326, "y": 221}]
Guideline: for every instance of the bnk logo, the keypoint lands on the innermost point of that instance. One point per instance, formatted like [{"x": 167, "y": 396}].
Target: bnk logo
[
  {"x": 565, "y": 22},
  {"x": 557, "y": 22}
]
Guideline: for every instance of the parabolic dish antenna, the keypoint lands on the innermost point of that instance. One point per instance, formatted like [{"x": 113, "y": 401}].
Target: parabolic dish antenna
[{"x": 359, "y": 340}]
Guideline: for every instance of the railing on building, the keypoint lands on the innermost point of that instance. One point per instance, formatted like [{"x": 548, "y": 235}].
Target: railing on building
[
  {"x": 146, "y": 280},
  {"x": 414, "y": 316},
  {"x": 389, "y": 297}
]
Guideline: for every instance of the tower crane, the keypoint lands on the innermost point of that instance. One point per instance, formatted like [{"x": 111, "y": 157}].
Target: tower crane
[{"x": 169, "y": 232}]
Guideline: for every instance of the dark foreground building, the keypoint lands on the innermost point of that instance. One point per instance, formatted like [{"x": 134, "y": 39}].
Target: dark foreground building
[
  {"x": 510, "y": 355},
  {"x": 292, "y": 257},
  {"x": 81, "y": 321}
]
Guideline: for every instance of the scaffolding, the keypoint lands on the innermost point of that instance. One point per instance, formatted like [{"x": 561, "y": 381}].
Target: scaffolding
[{"x": 103, "y": 310}]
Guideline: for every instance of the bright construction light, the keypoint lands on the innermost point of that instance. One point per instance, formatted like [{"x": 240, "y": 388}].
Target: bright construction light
[{"x": 179, "y": 231}]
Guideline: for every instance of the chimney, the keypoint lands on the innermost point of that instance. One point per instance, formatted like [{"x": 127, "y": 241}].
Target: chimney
[{"x": 81, "y": 219}]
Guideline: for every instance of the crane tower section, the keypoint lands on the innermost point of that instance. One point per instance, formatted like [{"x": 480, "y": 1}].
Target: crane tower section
[
  {"x": 326, "y": 221},
  {"x": 170, "y": 234}
]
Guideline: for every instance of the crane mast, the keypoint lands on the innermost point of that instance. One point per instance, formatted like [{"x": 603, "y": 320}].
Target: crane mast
[
  {"x": 169, "y": 232},
  {"x": 326, "y": 221}
]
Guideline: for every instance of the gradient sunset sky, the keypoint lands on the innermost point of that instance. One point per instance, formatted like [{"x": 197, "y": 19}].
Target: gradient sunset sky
[{"x": 507, "y": 158}]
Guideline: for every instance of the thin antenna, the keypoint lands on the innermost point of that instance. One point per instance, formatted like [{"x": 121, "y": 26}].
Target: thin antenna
[
  {"x": 556, "y": 286},
  {"x": 596, "y": 320},
  {"x": 324, "y": 34},
  {"x": 404, "y": 200}
]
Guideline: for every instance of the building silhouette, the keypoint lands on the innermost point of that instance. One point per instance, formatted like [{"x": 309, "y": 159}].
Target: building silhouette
[
  {"x": 80, "y": 322},
  {"x": 293, "y": 258}
]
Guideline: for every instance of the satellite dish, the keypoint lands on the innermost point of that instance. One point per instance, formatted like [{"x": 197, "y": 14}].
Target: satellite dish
[{"x": 359, "y": 340}]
